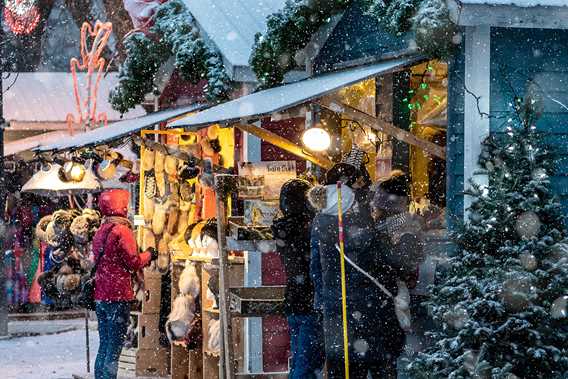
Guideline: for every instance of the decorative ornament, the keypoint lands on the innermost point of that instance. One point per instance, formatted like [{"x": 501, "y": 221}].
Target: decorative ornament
[
  {"x": 92, "y": 63},
  {"x": 558, "y": 309},
  {"x": 516, "y": 293},
  {"x": 22, "y": 16},
  {"x": 528, "y": 261},
  {"x": 539, "y": 174},
  {"x": 457, "y": 317},
  {"x": 528, "y": 225}
]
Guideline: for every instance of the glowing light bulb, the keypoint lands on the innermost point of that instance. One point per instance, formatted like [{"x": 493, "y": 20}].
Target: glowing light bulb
[{"x": 316, "y": 139}]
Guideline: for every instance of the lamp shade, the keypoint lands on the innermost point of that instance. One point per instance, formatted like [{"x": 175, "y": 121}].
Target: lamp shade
[
  {"x": 316, "y": 139},
  {"x": 47, "y": 182}
]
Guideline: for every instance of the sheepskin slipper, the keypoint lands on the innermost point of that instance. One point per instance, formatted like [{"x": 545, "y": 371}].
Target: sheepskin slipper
[
  {"x": 189, "y": 283},
  {"x": 159, "y": 219},
  {"x": 163, "y": 262},
  {"x": 149, "y": 207},
  {"x": 173, "y": 217},
  {"x": 171, "y": 165},
  {"x": 148, "y": 239},
  {"x": 147, "y": 159},
  {"x": 159, "y": 159},
  {"x": 161, "y": 186}
]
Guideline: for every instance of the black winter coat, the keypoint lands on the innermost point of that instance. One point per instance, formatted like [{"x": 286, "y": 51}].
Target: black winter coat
[
  {"x": 292, "y": 234},
  {"x": 373, "y": 329}
]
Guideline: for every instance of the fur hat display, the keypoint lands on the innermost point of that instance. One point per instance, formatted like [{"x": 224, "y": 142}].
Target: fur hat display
[
  {"x": 41, "y": 228},
  {"x": 84, "y": 227}
]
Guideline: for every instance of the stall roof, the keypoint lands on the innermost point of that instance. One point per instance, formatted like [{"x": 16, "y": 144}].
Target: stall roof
[
  {"x": 118, "y": 129},
  {"x": 519, "y": 3},
  {"x": 264, "y": 103},
  {"x": 48, "y": 97}
]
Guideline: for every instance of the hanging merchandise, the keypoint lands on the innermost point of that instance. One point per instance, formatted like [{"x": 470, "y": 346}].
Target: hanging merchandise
[
  {"x": 159, "y": 219},
  {"x": 181, "y": 317},
  {"x": 214, "y": 340},
  {"x": 189, "y": 282}
]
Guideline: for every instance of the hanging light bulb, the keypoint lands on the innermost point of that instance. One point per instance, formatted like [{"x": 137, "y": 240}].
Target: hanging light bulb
[
  {"x": 316, "y": 139},
  {"x": 72, "y": 172}
]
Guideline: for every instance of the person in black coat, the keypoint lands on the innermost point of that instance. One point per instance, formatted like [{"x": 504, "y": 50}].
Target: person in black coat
[
  {"x": 292, "y": 235},
  {"x": 374, "y": 335}
]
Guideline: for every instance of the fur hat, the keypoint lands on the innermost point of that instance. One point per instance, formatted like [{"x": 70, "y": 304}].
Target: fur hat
[
  {"x": 41, "y": 228},
  {"x": 84, "y": 227},
  {"x": 392, "y": 194}
]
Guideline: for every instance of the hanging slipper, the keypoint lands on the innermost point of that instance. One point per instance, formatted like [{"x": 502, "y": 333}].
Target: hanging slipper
[
  {"x": 161, "y": 184},
  {"x": 163, "y": 261},
  {"x": 147, "y": 159},
  {"x": 173, "y": 190},
  {"x": 159, "y": 219},
  {"x": 149, "y": 207},
  {"x": 171, "y": 165},
  {"x": 150, "y": 188},
  {"x": 173, "y": 216},
  {"x": 189, "y": 282},
  {"x": 183, "y": 218},
  {"x": 148, "y": 238},
  {"x": 159, "y": 159}
]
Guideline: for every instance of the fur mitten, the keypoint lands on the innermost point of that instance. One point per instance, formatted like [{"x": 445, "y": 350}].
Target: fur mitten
[
  {"x": 159, "y": 219},
  {"x": 147, "y": 159}
]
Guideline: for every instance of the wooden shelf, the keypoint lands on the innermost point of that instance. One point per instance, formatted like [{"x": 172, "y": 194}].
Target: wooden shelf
[
  {"x": 211, "y": 354},
  {"x": 262, "y": 246},
  {"x": 257, "y": 301},
  {"x": 212, "y": 310},
  {"x": 262, "y": 375}
]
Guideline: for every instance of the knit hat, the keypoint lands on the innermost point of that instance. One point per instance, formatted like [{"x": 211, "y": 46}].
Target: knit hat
[
  {"x": 392, "y": 194},
  {"x": 293, "y": 197}
]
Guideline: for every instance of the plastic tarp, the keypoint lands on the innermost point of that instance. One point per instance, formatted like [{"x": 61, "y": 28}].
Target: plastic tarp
[
  {"x": 118, "y": 129},
  {"x": 264, "y": 103}
]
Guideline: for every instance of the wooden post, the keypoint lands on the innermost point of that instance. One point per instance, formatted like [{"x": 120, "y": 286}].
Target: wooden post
[
  {"x": 222, "y": 189},
  {"x": 285, "y": 144},
  {"x": 402, "y": 135}
]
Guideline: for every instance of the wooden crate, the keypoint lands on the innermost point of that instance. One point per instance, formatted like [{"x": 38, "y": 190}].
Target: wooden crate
[
  {"x": 127, "y": 362},
  {"x": 148, "y": 331},
  {"x": 152, "y": 292},
  {"x": 152, "y": 362}
]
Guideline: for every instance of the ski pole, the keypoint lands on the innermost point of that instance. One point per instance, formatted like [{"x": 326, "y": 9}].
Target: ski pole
[{"x": 343, "y": 280}]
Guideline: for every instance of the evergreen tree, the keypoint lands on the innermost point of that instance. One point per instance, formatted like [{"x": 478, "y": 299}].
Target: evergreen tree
[{"x": 500, "y": 307}]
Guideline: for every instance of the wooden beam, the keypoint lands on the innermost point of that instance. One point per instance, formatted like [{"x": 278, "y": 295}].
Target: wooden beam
[
  {"x": 285, "y": 144},
  {"x": 337, "y": 106}
]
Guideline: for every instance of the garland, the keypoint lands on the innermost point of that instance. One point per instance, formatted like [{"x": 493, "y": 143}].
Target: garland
[
  {"x": 291, "y": 29},
  {"x": 173, "y": 34}
]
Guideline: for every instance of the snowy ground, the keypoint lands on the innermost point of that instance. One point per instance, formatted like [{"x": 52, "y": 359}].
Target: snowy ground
[{"x": 53, "y": 356}]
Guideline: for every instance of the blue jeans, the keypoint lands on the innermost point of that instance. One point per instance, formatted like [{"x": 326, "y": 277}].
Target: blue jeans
[
  {"x": 113, "y": 319},
  {"x": 306, "y": 345}
]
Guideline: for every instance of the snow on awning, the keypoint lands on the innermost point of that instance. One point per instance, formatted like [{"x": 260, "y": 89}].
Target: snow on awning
[
  {"x": 118, "y": 129},
  {"x": 264, "y": 103}
]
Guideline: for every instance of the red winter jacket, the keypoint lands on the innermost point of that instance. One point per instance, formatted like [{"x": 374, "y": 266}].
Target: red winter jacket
[{"x": 120, "y": 257}]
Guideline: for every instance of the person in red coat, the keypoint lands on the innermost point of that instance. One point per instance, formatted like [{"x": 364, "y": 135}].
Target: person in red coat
[{"x": 117, "y": 257}]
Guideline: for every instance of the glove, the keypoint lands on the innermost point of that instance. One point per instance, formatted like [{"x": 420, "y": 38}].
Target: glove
[{"x": 153, "y": 252}]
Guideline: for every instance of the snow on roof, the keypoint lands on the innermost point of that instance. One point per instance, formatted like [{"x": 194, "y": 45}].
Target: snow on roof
[
  {"x": 232, "y": 24},
  {"x": 48, "y": 97},
  {"x": 276, "y": 99},
  {"x": 519, "y": 3}
]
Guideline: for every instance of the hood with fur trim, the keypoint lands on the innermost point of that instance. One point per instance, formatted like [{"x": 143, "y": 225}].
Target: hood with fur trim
[{"x": 325, "y": 199}]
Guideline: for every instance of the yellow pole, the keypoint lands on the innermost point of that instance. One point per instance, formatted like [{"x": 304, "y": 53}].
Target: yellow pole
[{"x": 343, "y": 281}]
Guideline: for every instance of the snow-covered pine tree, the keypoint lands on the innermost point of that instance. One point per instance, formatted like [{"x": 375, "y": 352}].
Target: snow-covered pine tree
[{"x": 500, "y": 307}]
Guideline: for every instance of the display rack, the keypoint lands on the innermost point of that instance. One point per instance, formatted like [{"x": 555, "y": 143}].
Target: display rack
[{"x": 238, "y": 302}]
